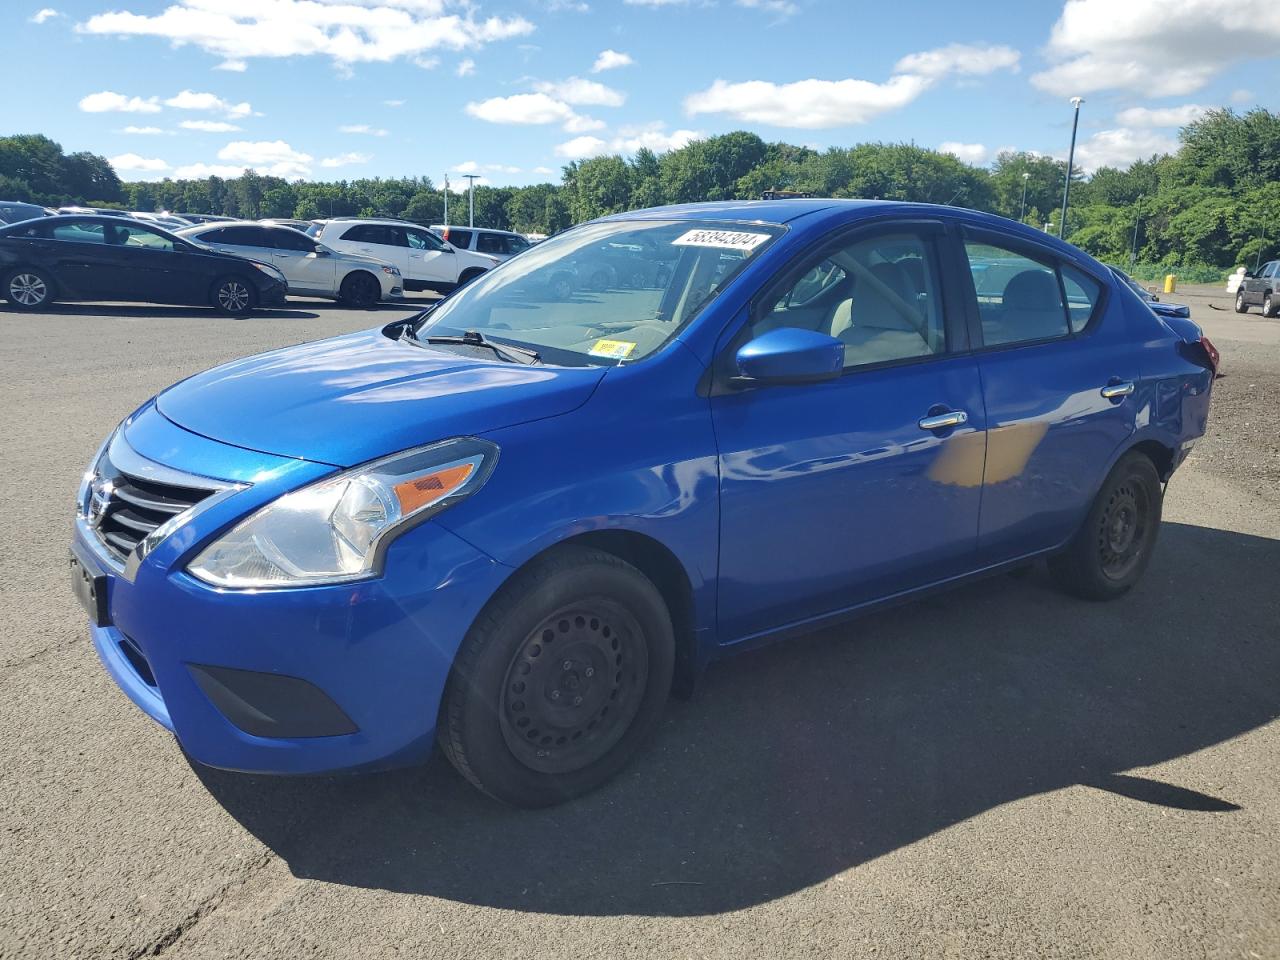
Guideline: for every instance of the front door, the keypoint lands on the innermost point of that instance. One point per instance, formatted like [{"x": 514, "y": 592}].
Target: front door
[
  {"x": 839, "y": 493},
  {"x": 430, "y": 260},
  {"x": 308, "y": 266},
  {"x": 1059, "y": 374}
]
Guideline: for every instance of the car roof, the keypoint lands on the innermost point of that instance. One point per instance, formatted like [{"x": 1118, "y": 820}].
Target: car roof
[
  {"x": 759, "y": 211},
  {"x": 463, "y": 226}
]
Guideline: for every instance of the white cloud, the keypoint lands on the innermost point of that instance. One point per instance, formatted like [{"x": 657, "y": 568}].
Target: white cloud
[
  {"x": 580, "y": 123},
  {"x": 813, "y": 104},
  {"x": 346, "y": 159},
  {"x": 581, "y": 92},
  {"x": 1120, "y": 148},
  {"x": 190, "y": 100},
  {"x": 466, "y": 68},
  {"x": 531, "y": 109},
  {"x": 48, "y": 13},
  {"x": 273, "y": 157},
  {"x": 1241, "y": 97},
  {"x": 208, "y": 126},
  {"x": 108, "y": 102},
  {"x": 972, "y": 153},
  {"x": 1161, "y": 116},
  {"x": 467, "y": 166},
  {"x": 363, "y": 128},
  {"x": 393, "y": 103},
  {"x": 629, "y": 139},
  {"x": 782, "y": 8},
  {"x": 807, "y": 104},
  {"x": 501, "y": 168},
  {"x": 198, "y": 171},
  {"x": 132, "y": 163},
  {"x": 232, "y": 66},
  {"x": 426, "y": 63},
  {"x": 656, "y": 3},
  {"x": 1153, "y": 47},
  {"x": 357, "y": 31},
  {"x": 142, "y": 131},
  {"x": 961, "y": 59},
  {"x": 611, "y": 60}
]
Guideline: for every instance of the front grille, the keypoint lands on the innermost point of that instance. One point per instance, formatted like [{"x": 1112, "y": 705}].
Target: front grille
[{"x": 126, "y": 509}]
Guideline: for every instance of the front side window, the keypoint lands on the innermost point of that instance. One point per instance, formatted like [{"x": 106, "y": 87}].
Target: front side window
[
  {"x": 138, "y": 238},
  {"x": 422, "y": 240},
  {"x": 877, "y": 295},
  {"x": 375, "y": 233},
  {"x": 79, "y": 232},
  {"x": 575, "y": 305},
  {"x": 1019, "y": 299}
]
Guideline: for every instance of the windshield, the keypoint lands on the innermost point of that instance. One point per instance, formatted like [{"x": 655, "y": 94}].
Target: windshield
[{"x": 604, "y": 292}]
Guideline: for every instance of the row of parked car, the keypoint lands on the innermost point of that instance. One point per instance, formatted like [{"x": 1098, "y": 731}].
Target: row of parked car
[{"x": 81, "y": 253}]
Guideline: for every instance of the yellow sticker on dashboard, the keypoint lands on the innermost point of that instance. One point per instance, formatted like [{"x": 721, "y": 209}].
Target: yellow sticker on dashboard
[{"x": 613, "y": 349}]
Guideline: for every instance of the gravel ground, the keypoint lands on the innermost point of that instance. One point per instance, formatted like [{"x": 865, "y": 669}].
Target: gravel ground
[{"x": 997, "y": 771}]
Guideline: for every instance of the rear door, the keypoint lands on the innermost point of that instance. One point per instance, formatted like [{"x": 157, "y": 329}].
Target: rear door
[
  {"x": 1059, "y": 371},
  {"x": 78, "y": 256},
  {"x": 298, "y": 257},
  {"x": 378, "y": 240}
]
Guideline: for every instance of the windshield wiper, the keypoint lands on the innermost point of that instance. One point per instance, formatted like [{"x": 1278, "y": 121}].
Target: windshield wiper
[{"x": 473, "y": 338}]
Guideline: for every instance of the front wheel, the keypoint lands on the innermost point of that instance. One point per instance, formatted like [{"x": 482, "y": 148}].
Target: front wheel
[
  {"x": 28, "y": 289},
  {"x": 1241, "y": 306},
  {"x": 1113, "y": 547},
  {"x": 560, "y": 679},
  {"x": 360, "y": 291},
  {"x": 233, "y": 296}
]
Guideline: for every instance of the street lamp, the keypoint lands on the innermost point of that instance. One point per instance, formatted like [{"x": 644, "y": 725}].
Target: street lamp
[
  {"x": 1133, "y": 247},
  {"x": 1022, "y": 212},
  {"x": 1071, "y": 155},
  {"x": 471, "y": 197}
]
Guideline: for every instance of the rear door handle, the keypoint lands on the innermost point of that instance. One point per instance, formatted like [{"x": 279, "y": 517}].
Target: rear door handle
[
  {"x": 1114, "y": 391},
  {"x": 940, "y": 421}
]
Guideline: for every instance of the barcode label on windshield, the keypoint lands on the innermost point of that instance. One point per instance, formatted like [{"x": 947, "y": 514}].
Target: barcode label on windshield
[{"x": 725, "y": 239}]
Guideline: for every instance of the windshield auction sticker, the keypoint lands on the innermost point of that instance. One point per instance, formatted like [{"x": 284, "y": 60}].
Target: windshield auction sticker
[
  {"x": 724, "y": 239},
  {"x": 613, "y": 349}
]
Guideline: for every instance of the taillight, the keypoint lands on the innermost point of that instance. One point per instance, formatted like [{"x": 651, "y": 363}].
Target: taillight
[
  {"x": 445, "y": 235},
  {"x": 1202, "y": 353},
  {"x": 1215, "y": 359}
]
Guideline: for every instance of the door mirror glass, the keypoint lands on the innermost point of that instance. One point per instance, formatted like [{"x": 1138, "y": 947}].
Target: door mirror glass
[{"x": 790, "y": 355}]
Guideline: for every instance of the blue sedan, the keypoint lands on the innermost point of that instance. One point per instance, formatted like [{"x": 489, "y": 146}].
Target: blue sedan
[{"x": 515, "y": 524}]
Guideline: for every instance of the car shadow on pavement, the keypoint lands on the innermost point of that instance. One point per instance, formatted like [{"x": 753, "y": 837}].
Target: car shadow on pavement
[
  {"x": 800, "y": 761},
  {"x": 161, "y": 312}
]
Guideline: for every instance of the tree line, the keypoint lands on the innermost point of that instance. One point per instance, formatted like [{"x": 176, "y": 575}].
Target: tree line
[{"x": 1211, "y": 205}]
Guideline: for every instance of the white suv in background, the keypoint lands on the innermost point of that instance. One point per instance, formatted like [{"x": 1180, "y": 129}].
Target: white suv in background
[
  {"x": 312, "y": 268},
  {"x": 427, "y": 262},
  {"x": 500, "y": 244}
]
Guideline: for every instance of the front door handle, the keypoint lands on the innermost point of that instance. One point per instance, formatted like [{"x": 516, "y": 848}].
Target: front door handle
[
  {"x": 941, "y": 421},
  {"x": 1114, "y": 391}
]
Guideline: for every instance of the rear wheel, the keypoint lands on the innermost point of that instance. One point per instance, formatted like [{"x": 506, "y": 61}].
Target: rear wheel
[
  {"x": 28, "y": 288},
  {"x": 1113, "y": 547},
  {"x": 1241, "y": 306},
  {"x": 1270, "y": 305},
  {"x": 234, "y": 296},
  {"x": 360, "y": 290},
  {"x": 560, "y": 680}
]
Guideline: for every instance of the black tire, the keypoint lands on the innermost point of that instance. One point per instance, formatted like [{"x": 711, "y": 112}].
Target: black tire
[
  {"x": 28, "y": 288},
  {"x": 360, "y": 290},
  {"x": 561, "y": 287},
  {"x": 233, "y": 296},
  {"x": 1270, "y": 305},
  {"x": 600, "y": 280},
  {"x": 1241, "y": 306},
  {"x": 560, "y": 680},
  {"x": 1112, "y": 549},
  {"x": 468, "y": 276}
]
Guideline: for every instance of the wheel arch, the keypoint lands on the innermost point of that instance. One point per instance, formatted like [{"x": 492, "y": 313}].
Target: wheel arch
[{"x": 1161, "y": 455}]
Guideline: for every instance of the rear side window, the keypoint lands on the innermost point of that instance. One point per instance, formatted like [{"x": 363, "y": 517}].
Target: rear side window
[
  {"x": 459, "y": 238},
  {"x": 244, "y": 237},
  {"x": 491, "y": 243},
  {"x": 1019, "y": 299},
  {"x": 1083, "y": 293},
  {"x": 374, "y": 233}
]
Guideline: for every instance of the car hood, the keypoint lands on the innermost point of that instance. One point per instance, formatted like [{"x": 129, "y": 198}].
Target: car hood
[{"x": 358, "y": 397}]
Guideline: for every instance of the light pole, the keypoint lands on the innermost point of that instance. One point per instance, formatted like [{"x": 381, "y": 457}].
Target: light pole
[
  {"x": 1137, "y": 216},
  {"x": 471, "y": 197},
  {"x": 1022, "y": 212},
  {"x": 1071, "y": 155},
  {"x": 446, "y": 199}
]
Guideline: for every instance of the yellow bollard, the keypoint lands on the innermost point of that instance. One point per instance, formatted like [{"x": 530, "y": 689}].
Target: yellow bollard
[{"x": 1170, "y": 283}]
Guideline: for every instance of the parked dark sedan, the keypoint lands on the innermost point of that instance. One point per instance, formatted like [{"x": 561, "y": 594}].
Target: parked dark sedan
[{"x": 106, "y": 258}]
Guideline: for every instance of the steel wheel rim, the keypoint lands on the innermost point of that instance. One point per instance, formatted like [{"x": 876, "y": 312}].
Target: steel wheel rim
[
  {"x": 28, "y": 289},
  {"x": 233, "y": 295},
  {"x": 1122, "y": 531},
  {"x": 1239, "y": 299},
  {"x": 574, "y": 686}
]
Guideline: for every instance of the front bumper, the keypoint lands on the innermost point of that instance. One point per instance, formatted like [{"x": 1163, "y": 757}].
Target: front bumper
[{"x": 300, "y": 680}]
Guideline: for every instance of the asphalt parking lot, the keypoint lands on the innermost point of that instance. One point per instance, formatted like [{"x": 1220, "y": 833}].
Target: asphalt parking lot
[{"x": 998, "y": 771}]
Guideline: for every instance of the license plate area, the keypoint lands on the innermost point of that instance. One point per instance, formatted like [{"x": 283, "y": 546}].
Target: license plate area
[{"x": 90, "y": 589}]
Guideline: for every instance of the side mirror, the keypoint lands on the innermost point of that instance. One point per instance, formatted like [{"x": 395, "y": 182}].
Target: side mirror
[
  {"x": 789, "y": 355},
  {"x": 320, "y": 252}
]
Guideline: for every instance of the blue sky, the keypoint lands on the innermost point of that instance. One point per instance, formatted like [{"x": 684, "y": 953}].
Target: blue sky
[{"x": 513, "y": 89}]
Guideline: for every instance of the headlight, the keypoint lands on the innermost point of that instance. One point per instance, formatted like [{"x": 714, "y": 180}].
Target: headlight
[
  {"x": 337, "y": 529},
  {"x": 269, "y": 271},
  {"x": 391, "y": 271}
]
